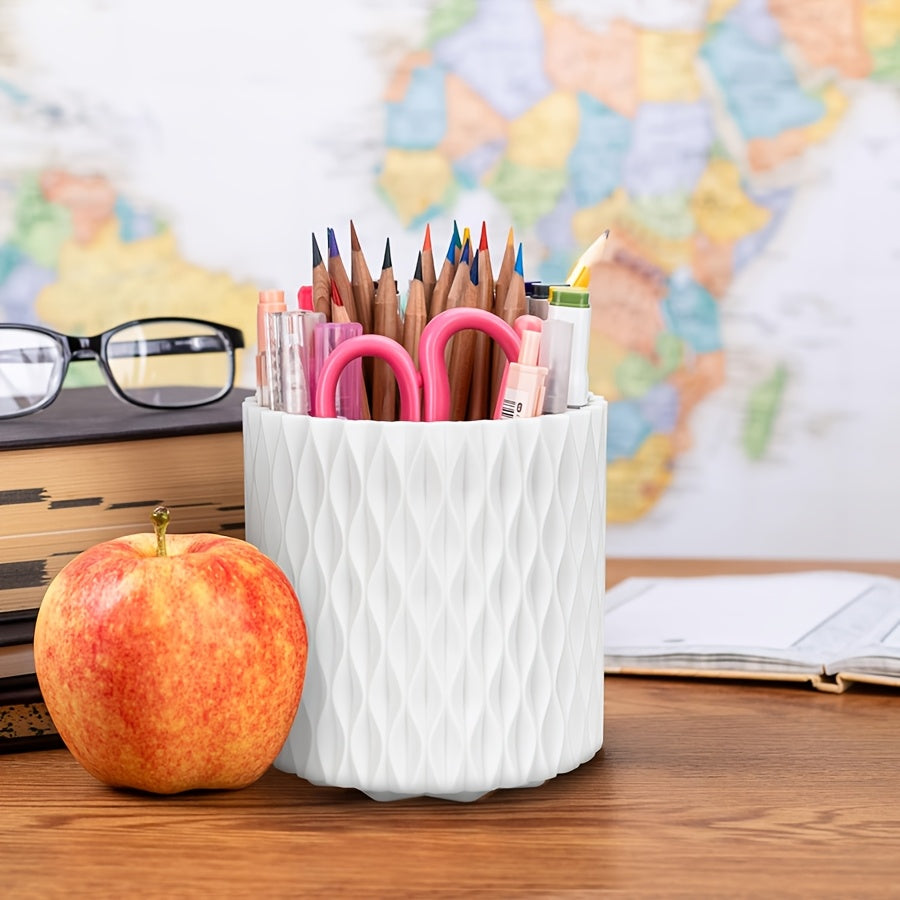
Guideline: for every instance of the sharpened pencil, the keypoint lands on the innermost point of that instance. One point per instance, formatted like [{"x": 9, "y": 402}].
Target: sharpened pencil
[
  {"x": 480, "y": 388},
  {"x": 361, "y": 282},
  {"x": 507, "y": 264},
  {"x": 321, "y": 282},
  {"x": 429, "y": 276},
  {"x": 386, "y": 322},
  {"x": 339, "y": 276},
  {"x": 442, "y": 285},
  {"x": 580, "y": 276},
  {"x": 415, "y": 318}
]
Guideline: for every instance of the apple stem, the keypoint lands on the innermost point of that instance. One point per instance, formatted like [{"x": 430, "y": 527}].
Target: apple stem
[{"x": 160, "y": 518}]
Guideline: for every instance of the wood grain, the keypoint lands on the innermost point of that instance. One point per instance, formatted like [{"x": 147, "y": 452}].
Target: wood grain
[{"x": 702, "y": 788}]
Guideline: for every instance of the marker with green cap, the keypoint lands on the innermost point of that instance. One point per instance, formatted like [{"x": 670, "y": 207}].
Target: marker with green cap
[{"x": 571, "y": 304}]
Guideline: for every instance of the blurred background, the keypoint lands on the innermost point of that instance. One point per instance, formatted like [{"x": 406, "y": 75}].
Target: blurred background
[{"x": 174, "y": 158}]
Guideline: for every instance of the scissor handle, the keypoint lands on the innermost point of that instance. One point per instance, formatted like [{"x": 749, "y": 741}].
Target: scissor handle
[
  {"x": 433, "y": 342},
  {"x": 370, "y": 345}
]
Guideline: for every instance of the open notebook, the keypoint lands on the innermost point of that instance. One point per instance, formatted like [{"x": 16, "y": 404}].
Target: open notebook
[{"x": 827, "y": 628}]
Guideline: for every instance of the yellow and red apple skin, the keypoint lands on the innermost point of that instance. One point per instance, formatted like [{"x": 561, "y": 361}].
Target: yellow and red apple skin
[{"x": 168, "y": 673}]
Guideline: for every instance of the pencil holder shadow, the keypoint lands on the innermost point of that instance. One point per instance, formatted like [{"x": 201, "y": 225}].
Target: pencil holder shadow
[{"x": 451, "y": 575}]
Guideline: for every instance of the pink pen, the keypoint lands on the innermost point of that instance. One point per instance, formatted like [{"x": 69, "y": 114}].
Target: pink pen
[
  {"x": 369, "y": 345},
  {"x": 349, "y": 385}
]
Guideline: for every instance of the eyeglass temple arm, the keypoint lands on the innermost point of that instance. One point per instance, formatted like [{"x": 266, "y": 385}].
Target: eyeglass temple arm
[
  {"x": 122, "y": 349},
  {"x": 166, "y": 346}
]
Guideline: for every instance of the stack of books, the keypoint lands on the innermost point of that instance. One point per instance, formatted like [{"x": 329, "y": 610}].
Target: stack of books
[{"x": 89, "y": 469}]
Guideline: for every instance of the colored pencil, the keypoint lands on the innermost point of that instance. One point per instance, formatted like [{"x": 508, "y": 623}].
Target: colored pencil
[
  {"x": 339, "y": 313},
  {"x": 444, "y": 280},
  {"x": 429, "y": 276},
  {"x": 339, "y": 276},
  {"x": 386, "y": 322},
  {"x": 361, "y": 282},
  {"x": 321, "y": 282},
  {"x": 457, "y": 243},
  {"x": 480, "y": 388},
  {"x": 507, "y": 264},
  {"x": 415, "y": 318}
]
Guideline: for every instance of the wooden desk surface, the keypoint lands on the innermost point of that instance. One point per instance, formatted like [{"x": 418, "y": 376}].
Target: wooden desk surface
[{"x": 702, "y": 788}]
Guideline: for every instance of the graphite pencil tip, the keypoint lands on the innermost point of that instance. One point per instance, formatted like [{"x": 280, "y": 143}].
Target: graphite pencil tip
[
  {"x": 387, "y": 255},
  {"x": 418, "y": 274},
  {"x": 317, "y": 253},
  {"x": 483, "y": 243},
  {"x": 354, "y": 240},
  {"x": 332, "y": 244}
]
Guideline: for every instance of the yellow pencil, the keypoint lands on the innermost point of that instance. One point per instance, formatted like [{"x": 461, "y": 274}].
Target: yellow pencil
[{"x": 580, "y": 276}]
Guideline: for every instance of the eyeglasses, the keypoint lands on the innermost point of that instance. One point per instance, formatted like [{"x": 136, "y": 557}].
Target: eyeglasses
[{"x": 159, "y": 363}]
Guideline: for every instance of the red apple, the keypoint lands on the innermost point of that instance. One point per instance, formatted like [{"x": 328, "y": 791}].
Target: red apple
[{"x": 171, "y": 664}]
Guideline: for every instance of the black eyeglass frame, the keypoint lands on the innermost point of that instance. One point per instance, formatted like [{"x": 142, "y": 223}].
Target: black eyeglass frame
[{"x": 76, "y": 348}]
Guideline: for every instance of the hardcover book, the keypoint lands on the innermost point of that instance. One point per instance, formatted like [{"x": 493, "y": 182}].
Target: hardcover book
[{"x": 90, "y": 468}]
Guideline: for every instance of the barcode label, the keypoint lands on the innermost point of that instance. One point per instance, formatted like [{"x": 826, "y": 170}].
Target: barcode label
[{"x": 514, "y": 404}]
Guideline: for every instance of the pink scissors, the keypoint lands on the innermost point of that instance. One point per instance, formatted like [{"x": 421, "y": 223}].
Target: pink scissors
[{"x": 433, "y": 379}]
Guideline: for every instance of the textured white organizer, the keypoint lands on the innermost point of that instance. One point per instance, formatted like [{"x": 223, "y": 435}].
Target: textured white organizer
[{"x": 451, "y": 575}]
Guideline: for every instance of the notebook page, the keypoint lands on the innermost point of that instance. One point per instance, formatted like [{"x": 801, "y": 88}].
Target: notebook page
[
  {"x": 879, "y": 654},
  {"x": 737, "y": 613}
]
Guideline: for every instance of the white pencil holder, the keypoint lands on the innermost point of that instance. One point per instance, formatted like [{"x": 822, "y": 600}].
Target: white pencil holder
[{"x": 451, "y": 575}]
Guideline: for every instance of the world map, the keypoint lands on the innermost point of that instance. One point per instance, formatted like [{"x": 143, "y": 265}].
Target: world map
[{"x": 695, "y": 132}]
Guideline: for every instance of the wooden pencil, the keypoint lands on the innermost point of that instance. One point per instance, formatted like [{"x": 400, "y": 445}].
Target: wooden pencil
[
  {"x": 514, "y": 305},
  {"x": 580, "y": 276},
  {"x": 461, "y": 278},
  {"x": 507, "y": 264},
  {"x": 480, "y": 388},
  {"x": 339, "y": 276},
  {"x": 462, "y": 348},
  {"x": 415, "y": 318},
  {"x": 444, "y": 280},
  {"x": 429, "y": 275},
  {"x": 386, "y": 322},
  {"x": 339, "y": 314},
  {"x": 361, "y": 282},
  {"x": 457, "y": 244},
  {"x": 321, "y": 282}
]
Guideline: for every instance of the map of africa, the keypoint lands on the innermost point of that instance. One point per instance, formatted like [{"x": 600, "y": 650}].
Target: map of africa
[{"x": 741, "y": 341}]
